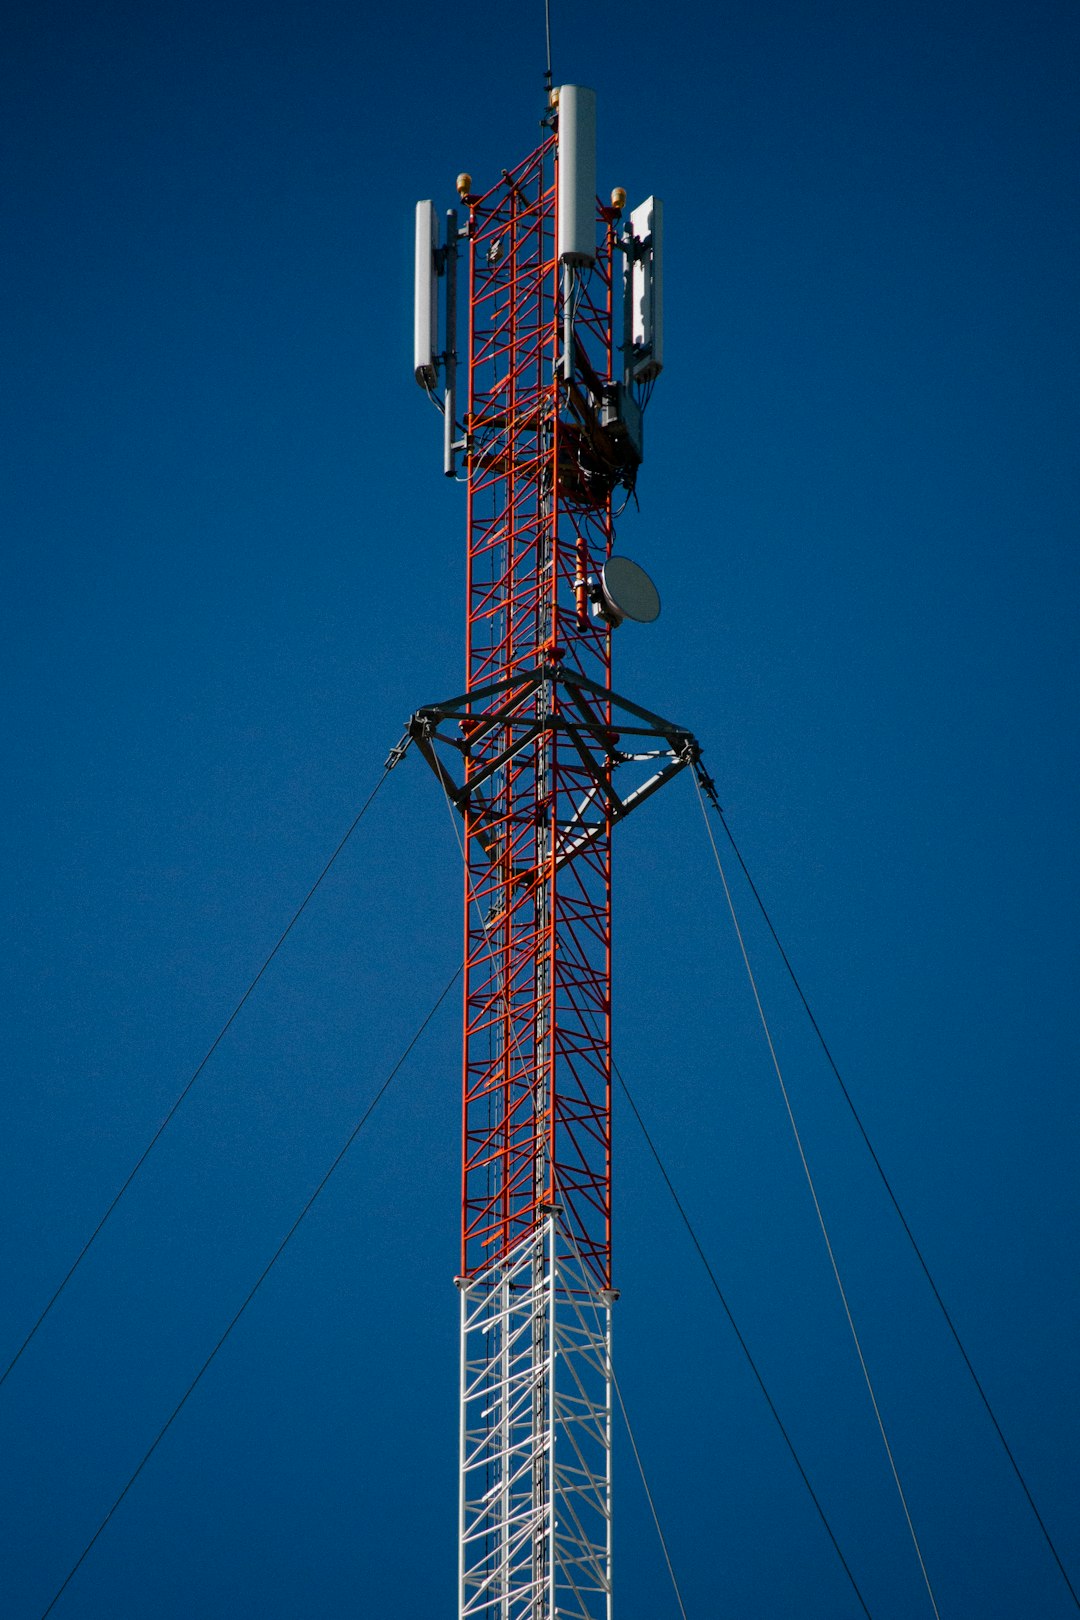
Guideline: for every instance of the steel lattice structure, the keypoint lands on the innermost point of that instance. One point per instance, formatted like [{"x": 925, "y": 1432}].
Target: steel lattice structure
[{"x": 541, "y": 758}]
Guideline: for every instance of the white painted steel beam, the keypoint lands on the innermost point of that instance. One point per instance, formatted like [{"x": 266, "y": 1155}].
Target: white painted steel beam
[{"x": 535, "y": 1484}]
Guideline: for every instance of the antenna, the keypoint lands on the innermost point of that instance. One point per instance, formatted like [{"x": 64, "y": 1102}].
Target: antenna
[
  {"x": 430, "y": 262},
  {"x": 449, "y": 265},
  {"x": 644, "y": 293},
  {"x": 577, "y": 201},
  {"x": 547, "y": 70},
  {"x": 425, "y": 304},
  {"x": 577, "y": 175},
  {"x": 625, "y": 591}
]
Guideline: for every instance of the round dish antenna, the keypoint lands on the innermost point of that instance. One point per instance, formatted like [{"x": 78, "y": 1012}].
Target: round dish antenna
[{"x": 627, "y": 592}]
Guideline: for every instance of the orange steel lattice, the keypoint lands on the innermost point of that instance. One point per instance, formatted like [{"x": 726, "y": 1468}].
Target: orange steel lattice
[{"x": 537, "y": 1079}]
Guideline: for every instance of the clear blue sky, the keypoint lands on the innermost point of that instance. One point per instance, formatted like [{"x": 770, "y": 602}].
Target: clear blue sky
[{"x": 232, "y": 569}]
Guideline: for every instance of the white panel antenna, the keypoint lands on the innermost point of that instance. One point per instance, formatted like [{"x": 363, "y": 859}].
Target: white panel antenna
[
  {"x": 431, "y": 262},
  {"x": 645, "y": 277},
  {"x": 577, "y": 174},
  {"x": 426, "y": 307}
]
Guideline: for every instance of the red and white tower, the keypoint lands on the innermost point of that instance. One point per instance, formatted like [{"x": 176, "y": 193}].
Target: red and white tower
[{"x": 541, "y": 758}]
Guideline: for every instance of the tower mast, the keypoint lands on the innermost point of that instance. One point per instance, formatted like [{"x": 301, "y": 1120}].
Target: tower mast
[{"x": 541, "y": 757}]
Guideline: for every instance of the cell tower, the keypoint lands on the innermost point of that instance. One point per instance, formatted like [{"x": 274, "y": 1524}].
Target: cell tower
[{"x": 541, "y": 758}]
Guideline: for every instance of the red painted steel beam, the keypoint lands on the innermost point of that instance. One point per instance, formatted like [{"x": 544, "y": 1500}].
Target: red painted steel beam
[{"x": 537, "y": 998}]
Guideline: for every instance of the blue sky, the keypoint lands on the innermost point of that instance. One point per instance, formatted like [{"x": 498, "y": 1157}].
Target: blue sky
[{"x": 232, "y": 569}]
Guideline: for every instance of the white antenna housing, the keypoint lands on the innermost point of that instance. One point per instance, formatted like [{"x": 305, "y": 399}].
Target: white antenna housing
[
  {"x": 577, "y": 174},
  {"x": 425, "y": 308},
  {"x": 645, "y": 273}
]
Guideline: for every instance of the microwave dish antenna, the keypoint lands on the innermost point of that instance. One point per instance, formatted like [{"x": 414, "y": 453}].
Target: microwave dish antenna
[{"x": 627, "y": 592}]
